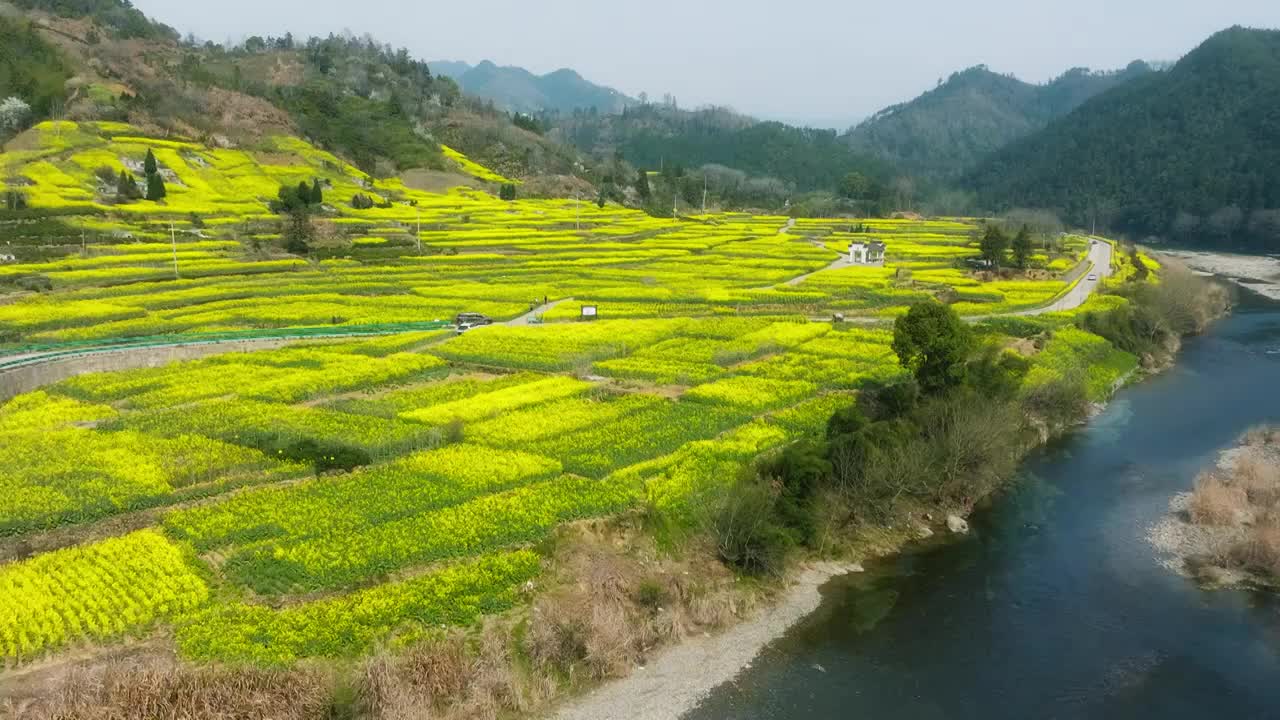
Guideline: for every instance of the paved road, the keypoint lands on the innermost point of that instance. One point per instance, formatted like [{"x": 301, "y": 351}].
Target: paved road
[
  {"x": 538, "y": 312},
  {"x": 1099, "y": 268},
  {"x": 1099, "y": 258}
]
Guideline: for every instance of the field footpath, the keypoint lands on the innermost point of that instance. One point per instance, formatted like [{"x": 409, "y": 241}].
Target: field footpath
[{"x": 25, "y": 372}]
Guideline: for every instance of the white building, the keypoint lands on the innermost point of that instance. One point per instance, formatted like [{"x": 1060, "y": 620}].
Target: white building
[{"x": 867, "y": 253}]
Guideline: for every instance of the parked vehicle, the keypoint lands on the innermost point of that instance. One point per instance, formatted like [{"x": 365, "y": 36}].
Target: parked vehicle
[
  {"x": 472, "y": 320},
  {"x": 1093, "y": 277}
]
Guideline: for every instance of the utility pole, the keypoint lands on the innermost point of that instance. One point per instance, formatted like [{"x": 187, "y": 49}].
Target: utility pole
[
  {"x": 418, "y": 237},
  {"x": 577, "y": 212},
  {"x": 173, "y": 237},
  {"x": 704, "y": 193}
]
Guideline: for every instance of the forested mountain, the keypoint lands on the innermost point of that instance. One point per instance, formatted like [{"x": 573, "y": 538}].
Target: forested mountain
[
  {"x": 1191, "y": 154},
  {"x": 375, "y": 105},
  {"x": 946, "y": 131},
  {"x": 654, "y": 136},
  {"x": 30, "y": 67},
  {"x": 515, "y": 89}
]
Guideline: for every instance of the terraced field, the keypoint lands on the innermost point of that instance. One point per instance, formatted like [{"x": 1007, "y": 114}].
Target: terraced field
[{"x": 321, "y": 499}]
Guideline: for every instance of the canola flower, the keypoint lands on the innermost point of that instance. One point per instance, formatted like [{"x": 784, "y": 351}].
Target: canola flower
[{"x": 93, "y": 592}]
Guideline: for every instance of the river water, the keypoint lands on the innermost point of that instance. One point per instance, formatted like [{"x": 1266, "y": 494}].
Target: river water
[{"x": 1056, "y": 607}]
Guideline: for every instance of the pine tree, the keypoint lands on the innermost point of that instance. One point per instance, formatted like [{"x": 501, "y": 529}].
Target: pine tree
[
  {"x": 1022, "y": 247},
  {"x": 155, "y": 187},
  {"x": 149, "y": 166},
  {"x": 127, "y": 187},
  {"x": 994, "y": 243},
  {"x": 317, "y": 193},
  {"x": 642, "y": 186}
]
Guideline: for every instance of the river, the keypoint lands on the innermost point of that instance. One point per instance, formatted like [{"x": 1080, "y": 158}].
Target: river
[{"x": 1055, "y": 606}]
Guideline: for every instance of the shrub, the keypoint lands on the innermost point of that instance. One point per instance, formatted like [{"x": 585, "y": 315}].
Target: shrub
[
  {"x": 325, "y": 457},
  {"x": 34, "y": 283},
  {"x": 1060, "y": 401},
  {"x": 651, "y": 595},
  {"x": 1260, "y": 551},
  {"x": 747, "y": 534},
  {"x": 1216, "y": 503}
]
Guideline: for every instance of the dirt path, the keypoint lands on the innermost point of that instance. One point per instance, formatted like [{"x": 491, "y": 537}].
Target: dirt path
[
  {"x": 94, "y": 359},
  {"x": 682, "y": 676},
  {"x": 841, "y": 262},
  {"x": 527, "y": 318}
]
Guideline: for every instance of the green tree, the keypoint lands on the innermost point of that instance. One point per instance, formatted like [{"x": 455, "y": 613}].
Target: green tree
[
  {"x": 507, "y": 192},
  {"x": 1022, "y": 247},
  {"x": 316, "y": 196},
  {"x": 602, "y": 199},
  {"x": 934, "y": 344},
  {"x": 127, "y": 187},
  {"x": 994, "y": 244},
  {"x": 149, "y": 165},
  {"x": 642, "y": 186},
  {"x": 155, "y": 187},
  {"x": 854, "y": 186},
  {"x": 297, "y": 232}
]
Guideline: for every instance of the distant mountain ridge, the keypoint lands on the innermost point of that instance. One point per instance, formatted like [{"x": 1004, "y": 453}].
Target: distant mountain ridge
[
  {"x": 517, "y": 90},
  {"x": 948, "y": 130},
  {"x": 1191, "y": 154}
]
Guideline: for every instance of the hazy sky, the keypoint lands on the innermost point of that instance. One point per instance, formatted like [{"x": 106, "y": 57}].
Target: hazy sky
[{"x": 816, "y": 61}]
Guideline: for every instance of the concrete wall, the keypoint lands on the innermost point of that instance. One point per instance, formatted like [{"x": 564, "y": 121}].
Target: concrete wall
[{"x": 33, "y": 377}]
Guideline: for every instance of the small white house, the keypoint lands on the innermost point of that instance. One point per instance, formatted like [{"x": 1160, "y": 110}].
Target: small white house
[
  {"x": 7, "y": 258},
  {"x": 867, "y": 253}
]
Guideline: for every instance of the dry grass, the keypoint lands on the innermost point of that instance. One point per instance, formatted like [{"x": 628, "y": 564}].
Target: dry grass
[
  {"x": 1261, "y": 436},
  {"x": 1260, "y": 551},
  {"x": 144, "y": 691},
  {"x": 1214, "y": 502},
  {"x": 615, "y": 600},
  {"x": 1243, "y": 503},
  {"x": 1259, "y": 479}
]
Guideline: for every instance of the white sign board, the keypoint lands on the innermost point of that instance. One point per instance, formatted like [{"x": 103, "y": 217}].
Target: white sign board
[{"x": 589, "y": 311}]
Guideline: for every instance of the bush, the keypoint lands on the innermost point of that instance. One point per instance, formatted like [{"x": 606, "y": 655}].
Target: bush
[
  {"x": 326, "y": 458},
  {"x": 889, "y": 402},
  {"x": 34, "y": 283},
  {"x": 1216, "y": 503},
  {"x": 1061, "y": 401},
  {"x": 747, "y": 534}
]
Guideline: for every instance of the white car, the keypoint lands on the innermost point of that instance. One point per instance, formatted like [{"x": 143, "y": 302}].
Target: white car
[{"x": 1093, "y": 277}]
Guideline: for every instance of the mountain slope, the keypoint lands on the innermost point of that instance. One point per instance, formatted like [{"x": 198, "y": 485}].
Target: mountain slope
[
  {"x": 1191, "y": 154},
  {"x": 517, "y": 90},
  {"x": 946, "y": 131},
  {"x": 655, "y": 136},
  {"x": 378, "y": 108}
]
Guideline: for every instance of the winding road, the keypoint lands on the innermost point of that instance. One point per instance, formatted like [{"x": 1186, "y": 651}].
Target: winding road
[{"x": 125, "y": 354}]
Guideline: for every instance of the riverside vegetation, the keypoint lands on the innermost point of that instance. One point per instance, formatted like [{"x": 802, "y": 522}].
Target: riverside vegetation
[{"x": 1227, "y": 530}]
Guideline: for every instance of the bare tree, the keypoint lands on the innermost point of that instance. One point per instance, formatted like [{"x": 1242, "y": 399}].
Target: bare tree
[
  {"x": 1226, "y": 222},
  {"x": 1185, "y": 225},
  {"x": 1264, "y": 227}
]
